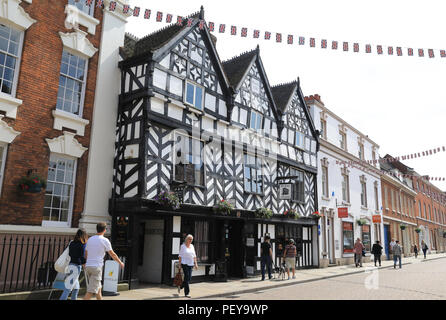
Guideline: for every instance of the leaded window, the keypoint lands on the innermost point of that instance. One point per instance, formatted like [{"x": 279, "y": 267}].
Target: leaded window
[
  {"x": 189, "y": 165},
  {"x": 60, "y": 189},
  {"x": 71, "y": 92},
  {"x": 253, "y": 174},
  {"x": 10, "y": 47},
  {"x": 194, "y": 95},
  {"x": 299, "y": 185},
  {"x": 256, "y": 121}
]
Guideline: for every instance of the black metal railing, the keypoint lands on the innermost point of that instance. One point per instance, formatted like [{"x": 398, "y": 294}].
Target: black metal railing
[{"x": 27, "y": 261}]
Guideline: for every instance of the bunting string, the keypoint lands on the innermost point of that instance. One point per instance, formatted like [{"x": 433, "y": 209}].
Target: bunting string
[{"x": 278, "y": 37}]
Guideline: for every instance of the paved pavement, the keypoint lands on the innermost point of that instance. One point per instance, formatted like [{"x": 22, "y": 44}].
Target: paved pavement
[
  {"x": 304, "y": 279},
  {"x": 415, "y": 281}
]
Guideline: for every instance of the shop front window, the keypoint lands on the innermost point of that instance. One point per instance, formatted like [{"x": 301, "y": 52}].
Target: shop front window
[
  {"x": 347, "y": 230},
  {"x": 366, "y": 237}
]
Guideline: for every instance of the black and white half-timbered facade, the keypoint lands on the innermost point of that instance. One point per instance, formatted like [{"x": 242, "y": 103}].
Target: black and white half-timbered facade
[{"x": 210, "y": 131}]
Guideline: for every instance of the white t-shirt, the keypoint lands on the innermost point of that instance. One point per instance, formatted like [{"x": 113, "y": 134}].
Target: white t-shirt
[
  {"x": 187, "y": 254},
  {"x": 96, "y": 248}
]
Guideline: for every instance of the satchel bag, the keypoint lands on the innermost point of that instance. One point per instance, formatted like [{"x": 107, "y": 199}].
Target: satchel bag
[{"x": 61, "y": 264}]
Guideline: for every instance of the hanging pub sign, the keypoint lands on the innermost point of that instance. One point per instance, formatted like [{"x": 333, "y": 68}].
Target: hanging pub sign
[
  {"x": 376, "y": 218},
  {"x": 343, "y": 212},
  {"x": 285, "y": 191}
]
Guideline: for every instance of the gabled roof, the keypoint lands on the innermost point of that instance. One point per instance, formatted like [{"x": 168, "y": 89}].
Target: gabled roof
[
  {"x": 237, "y": 67},
  {"x": 282, "y": 95},
  {"x": 151, "y": 42}
]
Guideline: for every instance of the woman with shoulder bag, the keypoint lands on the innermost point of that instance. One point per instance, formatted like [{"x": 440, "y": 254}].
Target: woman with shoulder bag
[{"x": 77, "y": 260}]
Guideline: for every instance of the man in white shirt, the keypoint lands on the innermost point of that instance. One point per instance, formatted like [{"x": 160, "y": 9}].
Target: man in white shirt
[{"x": 95, "y": 250}]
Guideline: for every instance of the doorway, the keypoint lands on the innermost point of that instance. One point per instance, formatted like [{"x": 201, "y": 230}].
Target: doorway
[
  {"x": 233, "y": 247},
  {"x": 386, "y": 240},
  {"x": 151, "y": 242}
]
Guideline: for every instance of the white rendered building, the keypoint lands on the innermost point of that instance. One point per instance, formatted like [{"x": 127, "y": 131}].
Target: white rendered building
[{"x": 345, "y": 183}]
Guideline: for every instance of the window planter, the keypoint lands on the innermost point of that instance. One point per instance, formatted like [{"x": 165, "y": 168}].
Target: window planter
[
  {"x": 264, "y": 213},
  {"x": 315, "y": 214},
  {"x": 361, "y": 222},
  {"x": 168, "y": 199},
  {"x": 223, "y": 207},
  {"x": 292, "y": 214}
]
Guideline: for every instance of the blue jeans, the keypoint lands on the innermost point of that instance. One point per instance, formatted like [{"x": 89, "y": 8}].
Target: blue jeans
[
  {"x": 187, "y": 270},
  {"x": 72, "y": 284},
  {"x": 395, "y": 257},
  {"x": 266, "y": 262}
]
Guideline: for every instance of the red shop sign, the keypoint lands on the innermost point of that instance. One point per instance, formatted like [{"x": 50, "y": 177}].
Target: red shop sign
[
  {"x": 342, "y": 212},
  {"x": 376, "y": 218}
]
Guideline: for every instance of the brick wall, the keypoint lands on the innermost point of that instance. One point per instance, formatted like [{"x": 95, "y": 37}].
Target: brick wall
[{"x": 37, "y": 87}]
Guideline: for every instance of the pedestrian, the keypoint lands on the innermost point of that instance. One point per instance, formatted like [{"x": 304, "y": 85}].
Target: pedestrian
[
  {"x": 397, "y": 250},
  {"x": 415, "y": 250},
  {"x": 95, "y": 250},
  {"x": 290, "y": 258},
  {"x": 424, "y": 247},
  {"x": 266, "y": 257},
  {"x": 377, "y": 251},
  {"x": 77, "y": 260},
  {"x": 391, "y": 244},
  {"x": 187, "y": 259},
  {"x": 358, "y": 248}
]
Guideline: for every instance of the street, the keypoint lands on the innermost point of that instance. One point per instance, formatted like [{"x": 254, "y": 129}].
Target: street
[{"x": 421, "y": 280}]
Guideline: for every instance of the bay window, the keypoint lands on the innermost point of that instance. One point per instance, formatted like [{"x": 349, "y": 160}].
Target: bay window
[
  {"x": 253, "y": 174},
  {"x": 189, "y": 165}
]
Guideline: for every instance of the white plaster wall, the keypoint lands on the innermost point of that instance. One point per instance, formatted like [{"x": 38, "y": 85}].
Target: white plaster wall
[
  {"x": 335, "y": 183},
  {"x": 102, "y": 148}
]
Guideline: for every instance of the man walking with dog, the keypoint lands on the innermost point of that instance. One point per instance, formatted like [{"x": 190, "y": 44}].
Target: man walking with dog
[{"x": 290, "y": 258}]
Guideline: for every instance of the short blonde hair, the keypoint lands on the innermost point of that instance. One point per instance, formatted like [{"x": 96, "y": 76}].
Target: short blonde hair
[{"x": 189, "y": 236}]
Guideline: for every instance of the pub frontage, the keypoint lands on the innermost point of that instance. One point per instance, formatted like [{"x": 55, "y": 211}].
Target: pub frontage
[{"x": 209, "y": 148}]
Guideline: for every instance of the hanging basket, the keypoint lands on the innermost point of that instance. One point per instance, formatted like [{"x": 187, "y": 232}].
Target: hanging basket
[
  {"x": 417, "y": 230},
  {"x": 32, "y": 184},
  {"x": 264, "y": 213},
  {"x": 402, "y": 227},
  {"x": 361, "y": 222},
  {"x": 223, "y": 207}
]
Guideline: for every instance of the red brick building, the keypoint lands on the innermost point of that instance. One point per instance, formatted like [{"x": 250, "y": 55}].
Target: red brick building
[
  {"x": 431, "y": 213},
  {"x": 50, "y": 52},
  {"x": 399, "y": 214},
  {"x": 411, "y": 200}
]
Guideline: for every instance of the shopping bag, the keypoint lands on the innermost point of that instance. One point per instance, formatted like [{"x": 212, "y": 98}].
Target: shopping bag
[
  {"x": 63, "y": 261},
  {"x": 178, "y": 280}
]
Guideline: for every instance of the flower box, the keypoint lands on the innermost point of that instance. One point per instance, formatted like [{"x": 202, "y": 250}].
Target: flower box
[
  {"x": 168, "y": 199},
  {"x": 292, "y": 214},
  {"x": 223, "y": 207},
  {"x": 264, "y": 213}
]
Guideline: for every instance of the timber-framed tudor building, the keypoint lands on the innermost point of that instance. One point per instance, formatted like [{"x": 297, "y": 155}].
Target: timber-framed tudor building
[{"x": 210, "y": 130}]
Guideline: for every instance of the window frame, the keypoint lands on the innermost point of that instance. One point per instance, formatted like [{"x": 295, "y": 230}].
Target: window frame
[
  {"x": 84, "y": 82},
  {"x": 323, "y": 129},
  {"x": 202, "y": 157},
  {"x": 348, "y": 251},
  {"x": 298, "y": 194},
  {"x": 301, "y": 140},
  {"x": 343, "y": 140},
  {"x": 251, "y": 180},
  {"x": 3, "y": 163},
  {"x": 324, "y": 184},
  {"x": 91, "y": 9},
  {"x": 258, "y": 115},
  {"x": 195, "y": 85},
  {"x": 15, "y": 78},
  {"x": 375, "y": 187},
  {"x": 345, "y": 179},
  {"x": 364, "y": 194},
  {"x": 188, "y": 223},
  {"x": 49, "y": 223}
]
